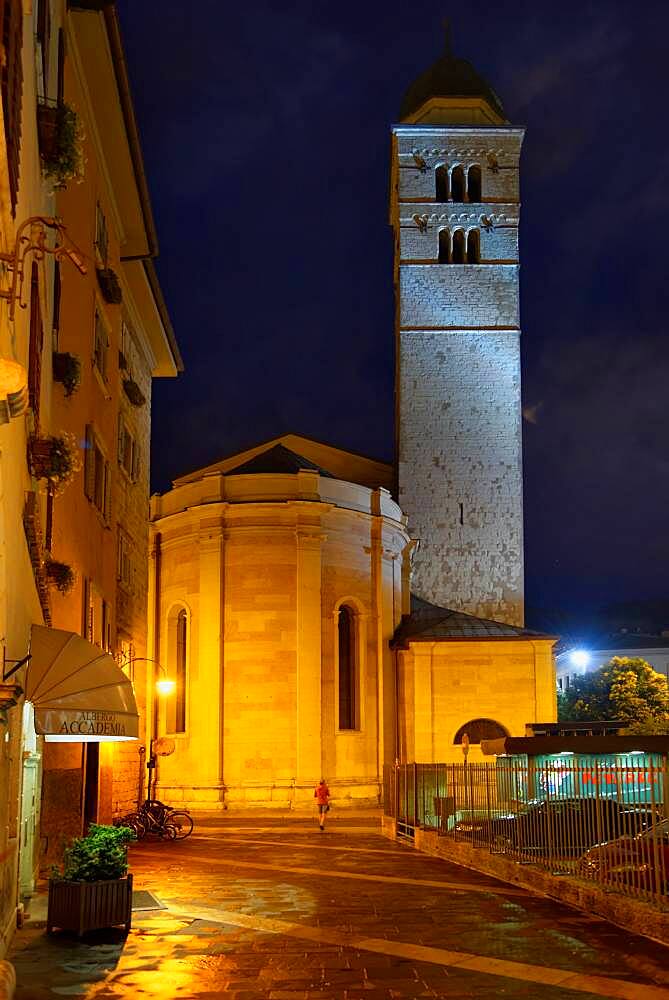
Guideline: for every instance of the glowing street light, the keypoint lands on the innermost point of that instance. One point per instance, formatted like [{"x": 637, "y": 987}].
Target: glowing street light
[
  {"x": 579, "y": 658},
  {"x": 165, "y": 685}
]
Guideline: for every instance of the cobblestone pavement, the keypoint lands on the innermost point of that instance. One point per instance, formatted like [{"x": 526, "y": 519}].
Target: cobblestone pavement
[{"x": 272, "y": 908}]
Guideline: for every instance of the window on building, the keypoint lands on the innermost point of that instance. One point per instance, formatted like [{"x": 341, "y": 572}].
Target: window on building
[
  {"x": 56, "y": 304},
  {"x": 97, "y": 475},
  {"x": 474, "y": 184},
  {"x": 473, "y": 247},
  {"x": 36, "y": 345},
  {"x": 100, "y": 346},
  {"x": 480, "y": 729},
  {"x": 124, "y": 566},
  {"x": 11, "y": 85},
  {"x": 458, "y": 184},
  {"x": 444, "y": 246},
  {"x": 96, "y": 618},
  {"x": 458, "y": 252},
  {"x": 178, "y": 657},
  {"x": 101, "y": 237},
  {"x": 42, "y": 40},
  {"x": 347, "y": 669},
  {"x": 128, "y": 450},
  {"x": 441, "y": 181}
]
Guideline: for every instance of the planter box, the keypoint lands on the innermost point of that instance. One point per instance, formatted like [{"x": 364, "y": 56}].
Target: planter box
[
  {"x": 109, "y": 285},
  {"x": 89, "y": 906}
]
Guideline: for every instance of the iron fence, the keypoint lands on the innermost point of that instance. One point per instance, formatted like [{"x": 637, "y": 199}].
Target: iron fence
[{"x": 601, "y": 822}]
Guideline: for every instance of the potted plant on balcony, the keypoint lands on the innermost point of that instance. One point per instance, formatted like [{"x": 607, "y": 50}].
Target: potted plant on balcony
[
  {"x": 110, "y": 286},
  {"x": 60, "y": 575},
  {"x": 67, "y": 371},
  {"x": 61, "y": 140},
  {"x": 55, "y": 457},
  {"x": 133, "y": 392},
  {"x": 93, "y": 889}
]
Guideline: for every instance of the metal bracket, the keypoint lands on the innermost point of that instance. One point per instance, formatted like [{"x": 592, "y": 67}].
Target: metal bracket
[{"x": 6, "y": 674}]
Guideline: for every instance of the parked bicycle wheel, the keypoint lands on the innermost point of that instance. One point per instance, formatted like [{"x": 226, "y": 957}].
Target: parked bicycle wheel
[
  {"x": 183, "y": 824},
  {"x": 134, "y": 821},
  {"x": 167, "y": 831}
]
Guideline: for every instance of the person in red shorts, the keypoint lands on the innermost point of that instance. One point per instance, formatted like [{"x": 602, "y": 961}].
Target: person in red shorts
[{"x": 322, "y": 796}]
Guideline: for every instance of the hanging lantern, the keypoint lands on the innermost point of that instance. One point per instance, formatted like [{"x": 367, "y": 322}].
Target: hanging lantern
[{"x": 13, "y": 390}]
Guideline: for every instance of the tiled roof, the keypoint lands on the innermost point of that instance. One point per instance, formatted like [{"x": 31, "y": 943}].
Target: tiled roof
[
  {"x": 429, "y": 623},
  {"x": 278, "y": 459}
]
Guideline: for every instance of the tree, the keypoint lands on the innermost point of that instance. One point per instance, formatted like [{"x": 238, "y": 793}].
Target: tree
[{"x": 626, "y": 689}]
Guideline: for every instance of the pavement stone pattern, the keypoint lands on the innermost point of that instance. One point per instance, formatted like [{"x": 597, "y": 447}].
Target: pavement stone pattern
[{"x": 269, "y": 908}]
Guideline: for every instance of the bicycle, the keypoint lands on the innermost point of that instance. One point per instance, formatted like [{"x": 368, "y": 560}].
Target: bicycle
[{"x": 155, "y": 817}]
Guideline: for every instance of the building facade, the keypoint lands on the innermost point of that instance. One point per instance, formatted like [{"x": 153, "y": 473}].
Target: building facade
[
  {"x": 83, "y": 330},
  {"x": 113, "y": 322},
  {"x": 25, "y": 317},
  {"x": 455, "y": 214}
]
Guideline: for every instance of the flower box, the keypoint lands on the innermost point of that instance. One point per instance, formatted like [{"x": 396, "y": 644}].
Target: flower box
[
  {"x": 133, "y": 392},
  {"x": 89, "y": 906},
  {"x": 110, "y": 286},
  {"x": 67, "y": 370}
]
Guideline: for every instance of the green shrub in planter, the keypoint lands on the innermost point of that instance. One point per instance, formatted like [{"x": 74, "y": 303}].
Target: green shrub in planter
[
  {"x": 93, "y": 890},
  {"x": 101, "y": 854},
  {"x": 67, "y": 371}
]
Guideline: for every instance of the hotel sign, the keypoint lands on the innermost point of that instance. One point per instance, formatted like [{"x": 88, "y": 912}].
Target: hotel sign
[{"x": 86, "y": 725}]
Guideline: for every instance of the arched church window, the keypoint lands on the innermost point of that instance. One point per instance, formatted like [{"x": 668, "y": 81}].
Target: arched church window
[
  {"x": 347, "y": 669},
  {"x": 474, "y": 184},
  {"x": 458, "y": 184},
  {"x": 444, "y": 246},
  {"x": 473, "y": 247},
  {"x": 459, "y": 252},
  {"x": 480, "y": 729},
  {"x": 177, "y": 658},
  {"x": 441, "y": 182}
]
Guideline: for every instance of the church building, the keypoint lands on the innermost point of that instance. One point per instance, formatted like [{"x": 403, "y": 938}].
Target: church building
[{"x": 326, "y": 614}]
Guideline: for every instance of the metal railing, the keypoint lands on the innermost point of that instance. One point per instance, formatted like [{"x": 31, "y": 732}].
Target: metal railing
[{"x": 603, "y": 822}]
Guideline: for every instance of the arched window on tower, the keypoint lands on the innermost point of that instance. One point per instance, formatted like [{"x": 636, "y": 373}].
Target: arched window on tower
[
  {"x": 458, "y": 184},
  {"x": 347, "y": 669},
  {"x": 473, "y": 247},
  {"x": 474, "y": 184},
  {"x": 480, "y": 729},
  {"x": 444, "y": 246},
  {"x": 458, "y": 253},
  {"x": 441, "y": 182},
  {"x": 175, "y": 721}
]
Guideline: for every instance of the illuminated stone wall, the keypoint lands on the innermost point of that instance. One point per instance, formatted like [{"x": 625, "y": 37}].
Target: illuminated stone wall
[
  {"x": 262, "y": 568},
  {"x": 444, "y": 685},
  {"x": 459, "y": 449}
]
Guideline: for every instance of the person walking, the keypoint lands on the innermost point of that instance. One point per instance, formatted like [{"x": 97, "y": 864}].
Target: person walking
[{"x": 322, "y": 796}]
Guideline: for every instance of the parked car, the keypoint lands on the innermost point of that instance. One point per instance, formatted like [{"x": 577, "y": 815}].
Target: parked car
[
  {"x": 641, "y": 861},
  {"x": 561, "y": 827}
]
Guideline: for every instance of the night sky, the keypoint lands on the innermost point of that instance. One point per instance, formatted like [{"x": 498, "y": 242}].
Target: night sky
[{"x": 265, "y": 130}]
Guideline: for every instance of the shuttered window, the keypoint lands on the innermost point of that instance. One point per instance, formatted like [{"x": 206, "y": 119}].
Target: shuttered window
[
  {"x": 11, "y": 74},
  {"x": 36, "y": 345},
  {"x": 97, "y": 475}
]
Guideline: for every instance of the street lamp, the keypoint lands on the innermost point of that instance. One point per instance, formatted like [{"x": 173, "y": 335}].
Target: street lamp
[
  {"x": 165, "y": 686},
  {"x": 579, "y": 658}
]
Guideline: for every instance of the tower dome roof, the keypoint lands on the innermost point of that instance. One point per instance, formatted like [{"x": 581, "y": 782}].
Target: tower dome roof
[{"x": 448, "y": 77}]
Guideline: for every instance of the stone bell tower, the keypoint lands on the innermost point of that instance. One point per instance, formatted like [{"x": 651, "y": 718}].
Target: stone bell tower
[{"x": 455, "y": 212}]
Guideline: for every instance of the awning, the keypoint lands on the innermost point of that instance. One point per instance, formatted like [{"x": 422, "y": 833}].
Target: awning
[{"x": 78, "y": 692}]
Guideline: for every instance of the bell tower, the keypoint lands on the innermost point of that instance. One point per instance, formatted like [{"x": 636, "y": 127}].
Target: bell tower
[{"x": 455, "y": 212}]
